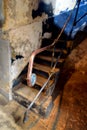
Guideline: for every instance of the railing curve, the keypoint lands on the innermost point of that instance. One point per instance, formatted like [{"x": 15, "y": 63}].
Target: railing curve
[{"x": 34, "y": 53}]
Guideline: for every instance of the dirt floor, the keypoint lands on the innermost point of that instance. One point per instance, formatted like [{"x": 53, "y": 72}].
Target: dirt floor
[{"x": 70, "y": 100}]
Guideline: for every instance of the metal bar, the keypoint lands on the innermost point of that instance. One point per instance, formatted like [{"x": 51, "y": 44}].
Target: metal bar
[
  {"x": 80, "y": 18},
  {"x": 30, "y": 106},
  {"x": 36, "y": 97},
  {"x": 31, "y": 65},
  {"x": 74, "y": 22},
  {"x": 78, "y": 2},
  {"x": 31, "y": 60},
  {"x": 53, "y": 53}
]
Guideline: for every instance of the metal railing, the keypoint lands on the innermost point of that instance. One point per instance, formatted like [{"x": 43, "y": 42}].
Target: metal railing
[{"x": 32, "y": 57}]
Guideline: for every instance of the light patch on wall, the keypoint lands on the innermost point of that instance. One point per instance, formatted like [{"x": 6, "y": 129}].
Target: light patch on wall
[{"x": 62, "y": 5}]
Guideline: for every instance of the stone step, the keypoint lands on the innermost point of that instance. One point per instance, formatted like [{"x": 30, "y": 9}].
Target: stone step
[
  {"x": 44, "y": 68},
  {"x": 57, "y": 50},
  {"x": 26, "y": 95},
  {"x": 49, "y": 59},
  {"x": 41, "y": 80}
]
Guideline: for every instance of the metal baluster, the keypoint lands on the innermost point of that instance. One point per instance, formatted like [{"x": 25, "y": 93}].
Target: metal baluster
[{"x": 53, "y": 53}]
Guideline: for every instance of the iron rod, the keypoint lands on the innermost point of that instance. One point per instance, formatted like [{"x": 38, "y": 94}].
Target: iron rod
[{"x": 31, "y": 60}]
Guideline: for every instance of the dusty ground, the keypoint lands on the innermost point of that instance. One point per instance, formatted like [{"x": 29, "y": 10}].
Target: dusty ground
[{"x": 70, "y": 104}]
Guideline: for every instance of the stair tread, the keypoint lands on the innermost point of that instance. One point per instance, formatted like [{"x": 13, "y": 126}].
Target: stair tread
[
  {"x": 29, "y": 93},
  {"x": 58, "y": 50},
  {"x": 48, "y": 58},
  {"x": 41, "y": 80},
  {"x": 44, "y": 68}
]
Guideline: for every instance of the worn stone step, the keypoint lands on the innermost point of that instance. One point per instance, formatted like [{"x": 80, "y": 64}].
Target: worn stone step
[
  {"x": 57, "y": 50},
  {"x": 26, "y": 95},
  {"x": 49, "y": 59},
  {"x": 41, "y": 80},
  {"x": 44, "y": 68}
]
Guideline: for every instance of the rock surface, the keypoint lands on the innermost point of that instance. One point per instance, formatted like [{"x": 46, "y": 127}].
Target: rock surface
[
  {"x": 22, "y": 31},
  {"x": 18, "y": 12},
  {"x": 7, "y": 122}
]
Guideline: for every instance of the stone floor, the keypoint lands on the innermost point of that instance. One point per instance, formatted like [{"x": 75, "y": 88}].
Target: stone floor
[{"x": 70, "y": 100}]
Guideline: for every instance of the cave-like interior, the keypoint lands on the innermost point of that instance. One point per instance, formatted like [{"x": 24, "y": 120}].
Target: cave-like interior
[{"x": 43, "y": 64}]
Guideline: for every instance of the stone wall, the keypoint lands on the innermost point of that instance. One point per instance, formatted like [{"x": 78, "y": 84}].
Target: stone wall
[
  {"x": 18, "y": 12},
  {"x": 23, "y": 32}
]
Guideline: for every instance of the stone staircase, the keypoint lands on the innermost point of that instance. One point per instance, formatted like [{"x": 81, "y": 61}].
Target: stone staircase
[{"x": 43, "y": 67}]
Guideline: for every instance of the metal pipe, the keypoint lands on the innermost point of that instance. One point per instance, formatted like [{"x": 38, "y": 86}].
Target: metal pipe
[
  {"x": 38, "y": 94},
  {"x": 31, "y": 60},
  {"x": 36, "y": 97}
]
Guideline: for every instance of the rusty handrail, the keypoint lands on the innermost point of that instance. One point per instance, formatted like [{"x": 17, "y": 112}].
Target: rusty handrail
[{"x": 31, "y": 60}]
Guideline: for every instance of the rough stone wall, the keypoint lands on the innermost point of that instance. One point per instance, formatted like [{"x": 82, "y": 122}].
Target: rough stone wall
[
  {"x": 25, "y": 39},
  {"x": 7, "y": 122},
  {"x": 23, "y": 32},
  {"x": 20, "y": 29},
  {"x": 78, "y": 54},
  {"x": 18, "y": 12}
]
